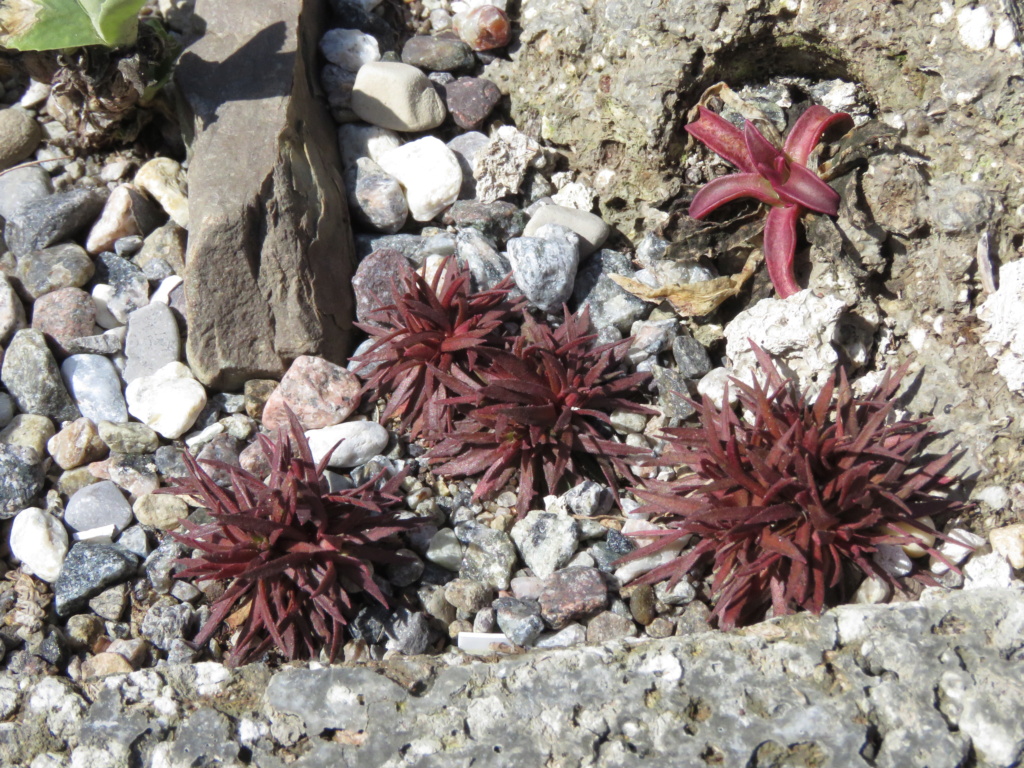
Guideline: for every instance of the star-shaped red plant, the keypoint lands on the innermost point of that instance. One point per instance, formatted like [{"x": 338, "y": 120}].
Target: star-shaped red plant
[{"x": 777, "y": 177}]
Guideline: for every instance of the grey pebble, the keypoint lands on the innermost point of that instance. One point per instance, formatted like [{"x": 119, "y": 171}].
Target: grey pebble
[
  {"x": 519, "y": 619},
  {"x": 88, "y": 569},
  {"x": 48, "y": 269},
  {"x": 21, "y": 478},
  {"x": 152, "y": 340},
  {"x": 51, "y": 219},
  {"x": 490, "y": 555},
  {"x": 32, "y": 378},
  {"x": 21, "y": 186},
  {"x": 608, "y": 303},
  {"x": 544, "y": 267}
]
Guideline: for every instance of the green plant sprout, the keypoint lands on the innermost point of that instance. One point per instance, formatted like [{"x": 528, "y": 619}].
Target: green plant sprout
[{"x": 46, "y": 25}]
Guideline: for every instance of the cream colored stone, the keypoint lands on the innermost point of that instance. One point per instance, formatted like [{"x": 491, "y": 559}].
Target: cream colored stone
[
  {"x": 169, "y": 400},
  {"x": 160, "y": 511},
  {"x": 165, "y": 182},
  {"x": 396, "y": 96},
  {"x": 103, "y": 664},
  {"x": 29, "y": 430},
  {"x": 1009, "y": 542}
]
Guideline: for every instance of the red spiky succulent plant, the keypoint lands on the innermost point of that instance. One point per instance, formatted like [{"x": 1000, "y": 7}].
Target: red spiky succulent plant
[
  {"x": 783, "y": 500},
  {"x": 542, "y": 409},
  {"x": 292, "y": 552},
  {"x": 777, "y": 177},
  {"x": 434, "y": 332}
]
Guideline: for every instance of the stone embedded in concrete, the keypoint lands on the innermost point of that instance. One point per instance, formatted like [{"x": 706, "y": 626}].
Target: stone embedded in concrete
[{"x": 269, "y": 240}]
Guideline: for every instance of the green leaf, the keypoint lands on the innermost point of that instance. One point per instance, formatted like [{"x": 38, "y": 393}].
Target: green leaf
[{"x": 44, "y": 25}]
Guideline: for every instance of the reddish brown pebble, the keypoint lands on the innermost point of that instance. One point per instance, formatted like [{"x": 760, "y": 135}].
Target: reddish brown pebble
[
  {"x": 470, "y": 100},
  {"x": 572, "y": 593},
  {"x": 320, "y": 393},
  {"x": 484, "y": 28},
  {"x": 77, "y": 444},
  {"x": 64, "y": 314}
]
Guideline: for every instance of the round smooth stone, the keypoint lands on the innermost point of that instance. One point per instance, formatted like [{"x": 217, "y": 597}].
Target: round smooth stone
[
  {"x": 169, "y": 400},
  {"x": 40, "y": 541},
  {"x": 361, "y": 441},
  {"x": 98, "y": 505},
  {"x": 591, "y": 229},
  {"x": 160, "y": 511},
  {"x": 20, "y": 134},
  {"x": 396, "y": 96},
  {"x": 437, "y": 54}
]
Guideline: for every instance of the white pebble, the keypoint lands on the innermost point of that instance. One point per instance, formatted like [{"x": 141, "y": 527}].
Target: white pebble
[
  {"x": 102, "y": 295},
  {"x": 975, "y": 27},
  {"x": 991, "y": 571},
  {"x": 349, "y": 48},
  {"x": 636, "y": 568},
  {"x": 102, "y": 535},
  {"x": 163, "y": 291},
  {"x": 164, "y": 180},
  {"x": 40, "y": 541},
  {"x": 361, "y": 441},
  {"x": 484, "y": 643},
  {"x": 428, "y": 171},
  {"x": 445, "y": 550},
  {"x": 169, "y": 400},
  {"x": 356, "y": 141},
  {"x": 956, "y": 553},
  {"x": 872, "y": 591}
]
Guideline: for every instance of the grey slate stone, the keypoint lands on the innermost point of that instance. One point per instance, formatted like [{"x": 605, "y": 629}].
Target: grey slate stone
[
  {"x": 152, "y": 341},
  {"x": 477, "y": 253},
  {"x": 89, "y": 569},
  {"x": 691, "y": 357},
  {"x": 52, "y": 219},
  {"x": 270, "y": 242},
  {"x": 608, "y": 303}
]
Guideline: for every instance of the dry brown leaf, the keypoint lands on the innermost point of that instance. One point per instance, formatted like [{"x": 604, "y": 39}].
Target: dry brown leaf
[
  {"x": 694, "y": 299},
  {"x": 234, "y": 621}
]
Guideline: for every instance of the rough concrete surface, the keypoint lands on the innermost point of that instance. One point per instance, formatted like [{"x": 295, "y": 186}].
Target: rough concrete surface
[{"x": 936, "y": 683}]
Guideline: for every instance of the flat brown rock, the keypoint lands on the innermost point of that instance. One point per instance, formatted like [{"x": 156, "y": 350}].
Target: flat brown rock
[{"x": 270, "y": 252}]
